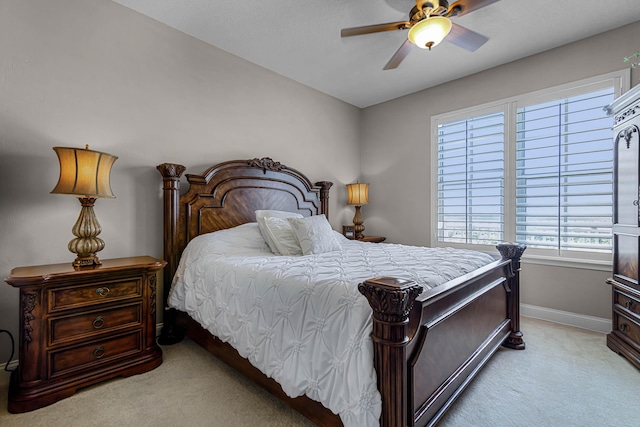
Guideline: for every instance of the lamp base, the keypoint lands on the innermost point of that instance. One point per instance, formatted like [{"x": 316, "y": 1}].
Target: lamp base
[
  {"x": 86, "y": 261},
  {"x": 358, "y": 224},
  {"x": 86, "y": 230}
]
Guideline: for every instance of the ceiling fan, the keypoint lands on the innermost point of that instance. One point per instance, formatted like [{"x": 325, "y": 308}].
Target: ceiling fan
[{"x": 428, "y": 25}]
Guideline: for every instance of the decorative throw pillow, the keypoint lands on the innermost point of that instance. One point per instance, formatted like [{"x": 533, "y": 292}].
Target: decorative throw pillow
[
  {"x": 277, "y": 236},
  {"x": 315, "y": 234},
  {"x": 283, "y": 236}
]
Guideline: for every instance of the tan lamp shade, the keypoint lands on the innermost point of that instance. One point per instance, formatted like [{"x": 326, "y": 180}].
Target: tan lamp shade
[
  {"x": 358, "y": 194},
  {"x": 84, "y": 172}
]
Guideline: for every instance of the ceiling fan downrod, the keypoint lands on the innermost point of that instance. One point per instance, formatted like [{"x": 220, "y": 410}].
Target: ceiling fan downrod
[{"x": 432, "y": 7}]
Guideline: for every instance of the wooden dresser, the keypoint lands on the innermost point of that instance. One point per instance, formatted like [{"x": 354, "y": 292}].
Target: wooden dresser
[
  {"x": 82, "y": 326},
  {"x": 625, "y": 334}
]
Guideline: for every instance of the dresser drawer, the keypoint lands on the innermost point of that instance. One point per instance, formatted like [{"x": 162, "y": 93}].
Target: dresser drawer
[
  {"x": 626, "y": 300},
  {"x": 93, "y": 293},
  {"x": 94, "y": 353},
  {"x": 87, "y": 324},
  {"x": 627, "y": 327}
]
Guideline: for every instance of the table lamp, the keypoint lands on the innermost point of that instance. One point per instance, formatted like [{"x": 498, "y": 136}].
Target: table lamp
[
  {"x": 85, "y": 174},
  {"x": 358, "y": 195}
]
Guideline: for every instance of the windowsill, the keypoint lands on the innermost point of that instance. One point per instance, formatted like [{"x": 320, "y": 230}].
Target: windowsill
[
  {"x": 530, "y": 256},
  {"x": 583, "y": 264}
]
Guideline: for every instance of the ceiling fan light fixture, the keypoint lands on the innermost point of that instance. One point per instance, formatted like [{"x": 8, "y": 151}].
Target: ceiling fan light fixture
[{"x": 429, "y": 32}]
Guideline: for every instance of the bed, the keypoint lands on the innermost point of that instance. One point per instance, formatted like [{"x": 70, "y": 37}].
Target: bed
[{"x": 427, "y": 344}]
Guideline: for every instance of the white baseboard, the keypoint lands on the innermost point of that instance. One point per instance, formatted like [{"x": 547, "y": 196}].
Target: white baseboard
[
  {"x": 12, "y": 365},
  {"x": 592, "y": 323}
]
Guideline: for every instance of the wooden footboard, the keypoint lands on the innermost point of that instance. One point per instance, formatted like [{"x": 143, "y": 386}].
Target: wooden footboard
[{"x": 430, "y": 345}]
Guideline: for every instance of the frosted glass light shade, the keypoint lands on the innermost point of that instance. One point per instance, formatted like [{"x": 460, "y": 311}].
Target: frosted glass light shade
[
  {"x": 84, "y": 172},
  {"x": 358, "y": 194},
  {"x": 429, "y": 32}
]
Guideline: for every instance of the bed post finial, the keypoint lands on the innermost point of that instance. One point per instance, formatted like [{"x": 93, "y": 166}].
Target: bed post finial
[
  {"x": 513, "y": 252},
  {"x": 325, "y": 186},
  {"x": 391, "y": 300},
  {"x": 171, "y": 173}
]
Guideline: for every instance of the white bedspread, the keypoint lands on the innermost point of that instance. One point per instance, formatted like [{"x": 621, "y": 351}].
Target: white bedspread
[{"x": 301, "y": 319}]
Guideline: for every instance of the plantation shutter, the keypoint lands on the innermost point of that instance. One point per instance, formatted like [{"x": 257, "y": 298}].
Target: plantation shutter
[
  {"x": 471, "y": 180},
  {"x": 564, "y": 173}
]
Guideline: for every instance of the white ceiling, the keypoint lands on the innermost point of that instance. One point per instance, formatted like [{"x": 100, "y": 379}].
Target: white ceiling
[{"x": 300, "y": 39}]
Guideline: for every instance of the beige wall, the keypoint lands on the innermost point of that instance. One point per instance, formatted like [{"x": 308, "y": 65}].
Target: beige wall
[
  {"x": 395, "y": 153},
  {"x": 75, "y": 72}
]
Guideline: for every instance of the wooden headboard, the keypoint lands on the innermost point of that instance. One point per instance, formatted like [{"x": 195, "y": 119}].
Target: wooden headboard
[{"x": 227, "y": 195}]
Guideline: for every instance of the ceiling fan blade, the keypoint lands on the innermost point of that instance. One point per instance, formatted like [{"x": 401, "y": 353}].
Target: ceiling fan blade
[
  {"x": 377, "y": 28},
  {"x": 462, "y": 7},
  {"x": 465, "y": 38},
  {"x": 399, "y": 56}
]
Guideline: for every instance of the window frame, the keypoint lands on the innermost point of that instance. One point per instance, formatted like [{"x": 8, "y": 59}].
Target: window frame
[{"x": 620, "y": 80}]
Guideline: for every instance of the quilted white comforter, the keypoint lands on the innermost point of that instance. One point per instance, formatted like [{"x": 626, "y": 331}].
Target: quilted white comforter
[{"x": 301, "y": 319}]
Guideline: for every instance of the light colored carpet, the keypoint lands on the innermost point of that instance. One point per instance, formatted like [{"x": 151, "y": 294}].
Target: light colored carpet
[{"x": 565, "y": 377}]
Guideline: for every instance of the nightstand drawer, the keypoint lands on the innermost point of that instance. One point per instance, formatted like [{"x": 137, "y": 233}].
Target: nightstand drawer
[
  {"x": 63, "y": 329},
  {"x": 93, "y": 293},
  {"x": 626, "y": 300},
  {"x": 94, "y": 353},
  {"x": 627, "y": 327}
]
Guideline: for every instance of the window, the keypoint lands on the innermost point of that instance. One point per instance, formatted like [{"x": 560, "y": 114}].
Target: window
[
  {"x": 564, "y": 173},
  {"x": 471, "y": 180},
  {"x": 536, "y": 169}
]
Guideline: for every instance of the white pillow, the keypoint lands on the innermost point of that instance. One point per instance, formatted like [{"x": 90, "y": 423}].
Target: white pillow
[
  {"x": 283, "y": 236},
  {"x": 279, "y": 238},
  {"x": 231, "y": 240},
  {"x": 243, "y": 236},
  {"x": 314, "y": 234}
]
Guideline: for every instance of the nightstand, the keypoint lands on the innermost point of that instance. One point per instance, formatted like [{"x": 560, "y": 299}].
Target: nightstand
[
  {"x": 373, "y": 239},
  {"x": 80, "y": 326}
]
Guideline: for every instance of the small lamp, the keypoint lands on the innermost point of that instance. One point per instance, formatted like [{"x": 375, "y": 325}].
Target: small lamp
[
  {"x": 358, "y": 195},
  {"x": 85, "y": 174},
  {"x": 429, "y": 32}
]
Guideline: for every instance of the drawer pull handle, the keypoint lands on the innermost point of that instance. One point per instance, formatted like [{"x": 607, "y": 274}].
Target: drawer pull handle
[
  {"x": 629, "y": 303},
  {"x": 98, "y": 352},
  {"x": 98, "y": 322},
  {"x": 623, "y": 327},
  {"x": 103, "y": 292}
]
